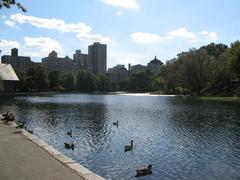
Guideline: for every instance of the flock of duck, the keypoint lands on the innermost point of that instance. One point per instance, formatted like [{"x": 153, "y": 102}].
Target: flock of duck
[
  {"x": 141, "y": 170},
  {"x": 9, "y": 117}
]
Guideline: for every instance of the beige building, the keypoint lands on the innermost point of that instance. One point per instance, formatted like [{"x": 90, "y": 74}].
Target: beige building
[
  {"x": 80, "y": 58},
  {"x": 117, "y": 73},
  {"x": 19, "y": 63},
  {"x": 97, "y": 58},
  {"x": 154, "y": 66},
  {"x": 55, "y": 63}
]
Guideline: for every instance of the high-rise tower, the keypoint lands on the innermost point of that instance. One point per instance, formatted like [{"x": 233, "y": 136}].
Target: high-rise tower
[{"x": 97, "y": 58}]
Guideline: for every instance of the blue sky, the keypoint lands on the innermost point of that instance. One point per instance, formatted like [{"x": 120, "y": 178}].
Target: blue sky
[{"x": 134, "y": 30}]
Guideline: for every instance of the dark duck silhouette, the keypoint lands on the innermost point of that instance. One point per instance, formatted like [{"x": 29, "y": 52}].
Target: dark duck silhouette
[
  {"x": 144, "y": 170},
  {"x": 21, "y": 126},
  {"x": 69, "y": 145},
  {"x": 69, "y": 133},
  {"x": 115, "y": 123},
  {"x": 128, "y": 147},
  {"x": 5, "y": 115}
]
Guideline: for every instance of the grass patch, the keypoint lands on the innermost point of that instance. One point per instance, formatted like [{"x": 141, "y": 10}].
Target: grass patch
[{"x": 217, "y": 98}]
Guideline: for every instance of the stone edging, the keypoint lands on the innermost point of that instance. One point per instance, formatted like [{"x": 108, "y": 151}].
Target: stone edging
[{"x": 78, "y": 168}]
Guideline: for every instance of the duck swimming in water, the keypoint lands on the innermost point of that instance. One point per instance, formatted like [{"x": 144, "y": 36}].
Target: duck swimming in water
[{"x": 128, "y": 147}]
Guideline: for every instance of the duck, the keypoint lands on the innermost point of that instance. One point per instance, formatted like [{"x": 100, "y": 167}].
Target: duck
[
  {"x": 69, "y": 145},
  {"x": 28, "y": 130},
  {"x": 69, "y": 133},
  {"x": 128, "y": 147},
  {"x": 144, "y": 170},
  {"x": 115, "y": 123},
  {"x": 20, "y": 126},
  {"x": 5, "y": 115}
]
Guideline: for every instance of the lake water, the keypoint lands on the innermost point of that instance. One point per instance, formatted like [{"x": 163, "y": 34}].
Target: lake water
[{"x": 182, "y": 138}]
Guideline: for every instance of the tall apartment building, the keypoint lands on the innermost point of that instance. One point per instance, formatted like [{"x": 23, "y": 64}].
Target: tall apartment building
[
  {"x": 19, "y": 63},
  {"x": 54, "y": 63},
  {"x": 97, "y": 58}
]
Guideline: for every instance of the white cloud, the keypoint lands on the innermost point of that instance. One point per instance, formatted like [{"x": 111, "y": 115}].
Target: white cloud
[
  {"x": 140, "y": 37},
  {"x": 8, "y": 44},
  {"x": 181, "y": 32},
  {"x": 41, "y": 46},
  {"x": 119, "y": 13},
  {"x": 10, "y": 23},
  {"x": 80, "y": 29},
  {"x": 94, "y": 38},
  {"x": 127, "y": 4},
  {"x": 208, "y": 36}
]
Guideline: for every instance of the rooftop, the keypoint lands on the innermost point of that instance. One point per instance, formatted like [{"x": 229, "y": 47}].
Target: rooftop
[{"x": 7, "y": 73}]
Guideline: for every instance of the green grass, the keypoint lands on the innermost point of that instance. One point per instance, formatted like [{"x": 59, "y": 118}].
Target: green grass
[{"x": 217, "y": 98}]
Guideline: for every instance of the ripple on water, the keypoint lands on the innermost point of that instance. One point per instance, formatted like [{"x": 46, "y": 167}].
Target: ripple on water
[{"x": 182, "y": 139}]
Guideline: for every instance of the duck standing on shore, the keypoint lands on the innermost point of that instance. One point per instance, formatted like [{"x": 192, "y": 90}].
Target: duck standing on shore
[{"x": 21, "y": 126}]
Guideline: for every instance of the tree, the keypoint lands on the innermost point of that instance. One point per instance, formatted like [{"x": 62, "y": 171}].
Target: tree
[
  {"x": 215, "y": 49},
  {"x": 54, "y": 79},
  {"x": 68, "y": 81},
  {"x": 9, "y": 3},
  {"x": 234, "y": 58},
  {"x": 104, "y": 83},
  {"x": 86, "y": 81},
  {"x": 141, "y": 82},
  {"x": 37, "y": 79},
  {"x": 1, "y": 86}
]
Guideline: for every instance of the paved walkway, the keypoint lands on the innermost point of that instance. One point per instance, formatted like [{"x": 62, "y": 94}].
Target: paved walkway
[{"x": 22, "y": 159}]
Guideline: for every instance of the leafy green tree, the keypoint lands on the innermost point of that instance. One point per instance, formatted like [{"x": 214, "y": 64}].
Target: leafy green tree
[
  {"x": 86, "y": 81},
  {"x": 215, "y": 49},
  {"x": 104, "y": 83},
  {"x": 54, "y": 79},
  {"x": 1, "y": 86},
  {"x": 234, "y": 57},
  {"x": 69, "y": 82},
  {"x": 37, "y": 79},
  {"x": 9, "y": 3},
  {"x": 141, "y": 82}
]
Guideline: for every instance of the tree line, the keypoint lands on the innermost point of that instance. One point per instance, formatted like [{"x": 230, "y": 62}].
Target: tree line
[{"x": 38, "y": 80}]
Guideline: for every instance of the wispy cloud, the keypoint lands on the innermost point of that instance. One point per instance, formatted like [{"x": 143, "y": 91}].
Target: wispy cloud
[
  {"x": 140, "y": 37},
  {"x": 8, "y": 44},
  {"x": 127, "y": 4},
  {"x": 40, "y": 46},
  {"x": 119, "y": 13},
  {"x": 81, "y": 30},
  {"x": 182, "y": 33},
  {"x": 9, "y": 23}
]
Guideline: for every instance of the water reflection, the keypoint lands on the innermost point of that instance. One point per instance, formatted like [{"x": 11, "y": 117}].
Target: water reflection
[{"x": 182, "y": 138}]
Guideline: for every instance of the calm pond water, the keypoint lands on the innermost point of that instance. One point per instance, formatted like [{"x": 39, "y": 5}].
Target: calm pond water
[{"x": 181, "y": 138}]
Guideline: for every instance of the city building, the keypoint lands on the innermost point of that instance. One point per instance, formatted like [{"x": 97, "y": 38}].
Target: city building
[
  {"x": 9, "y": 77},
  {"x": 137, "y": 68},
  {"x": 80, "y": 58},
  {"x": 154, "y": 66},
  {"x": 19, "y": 63},
  {"x": 117, "y": 73},
  {"x": 97, "y": 58},
  {"x": 55, "y": 63}
]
